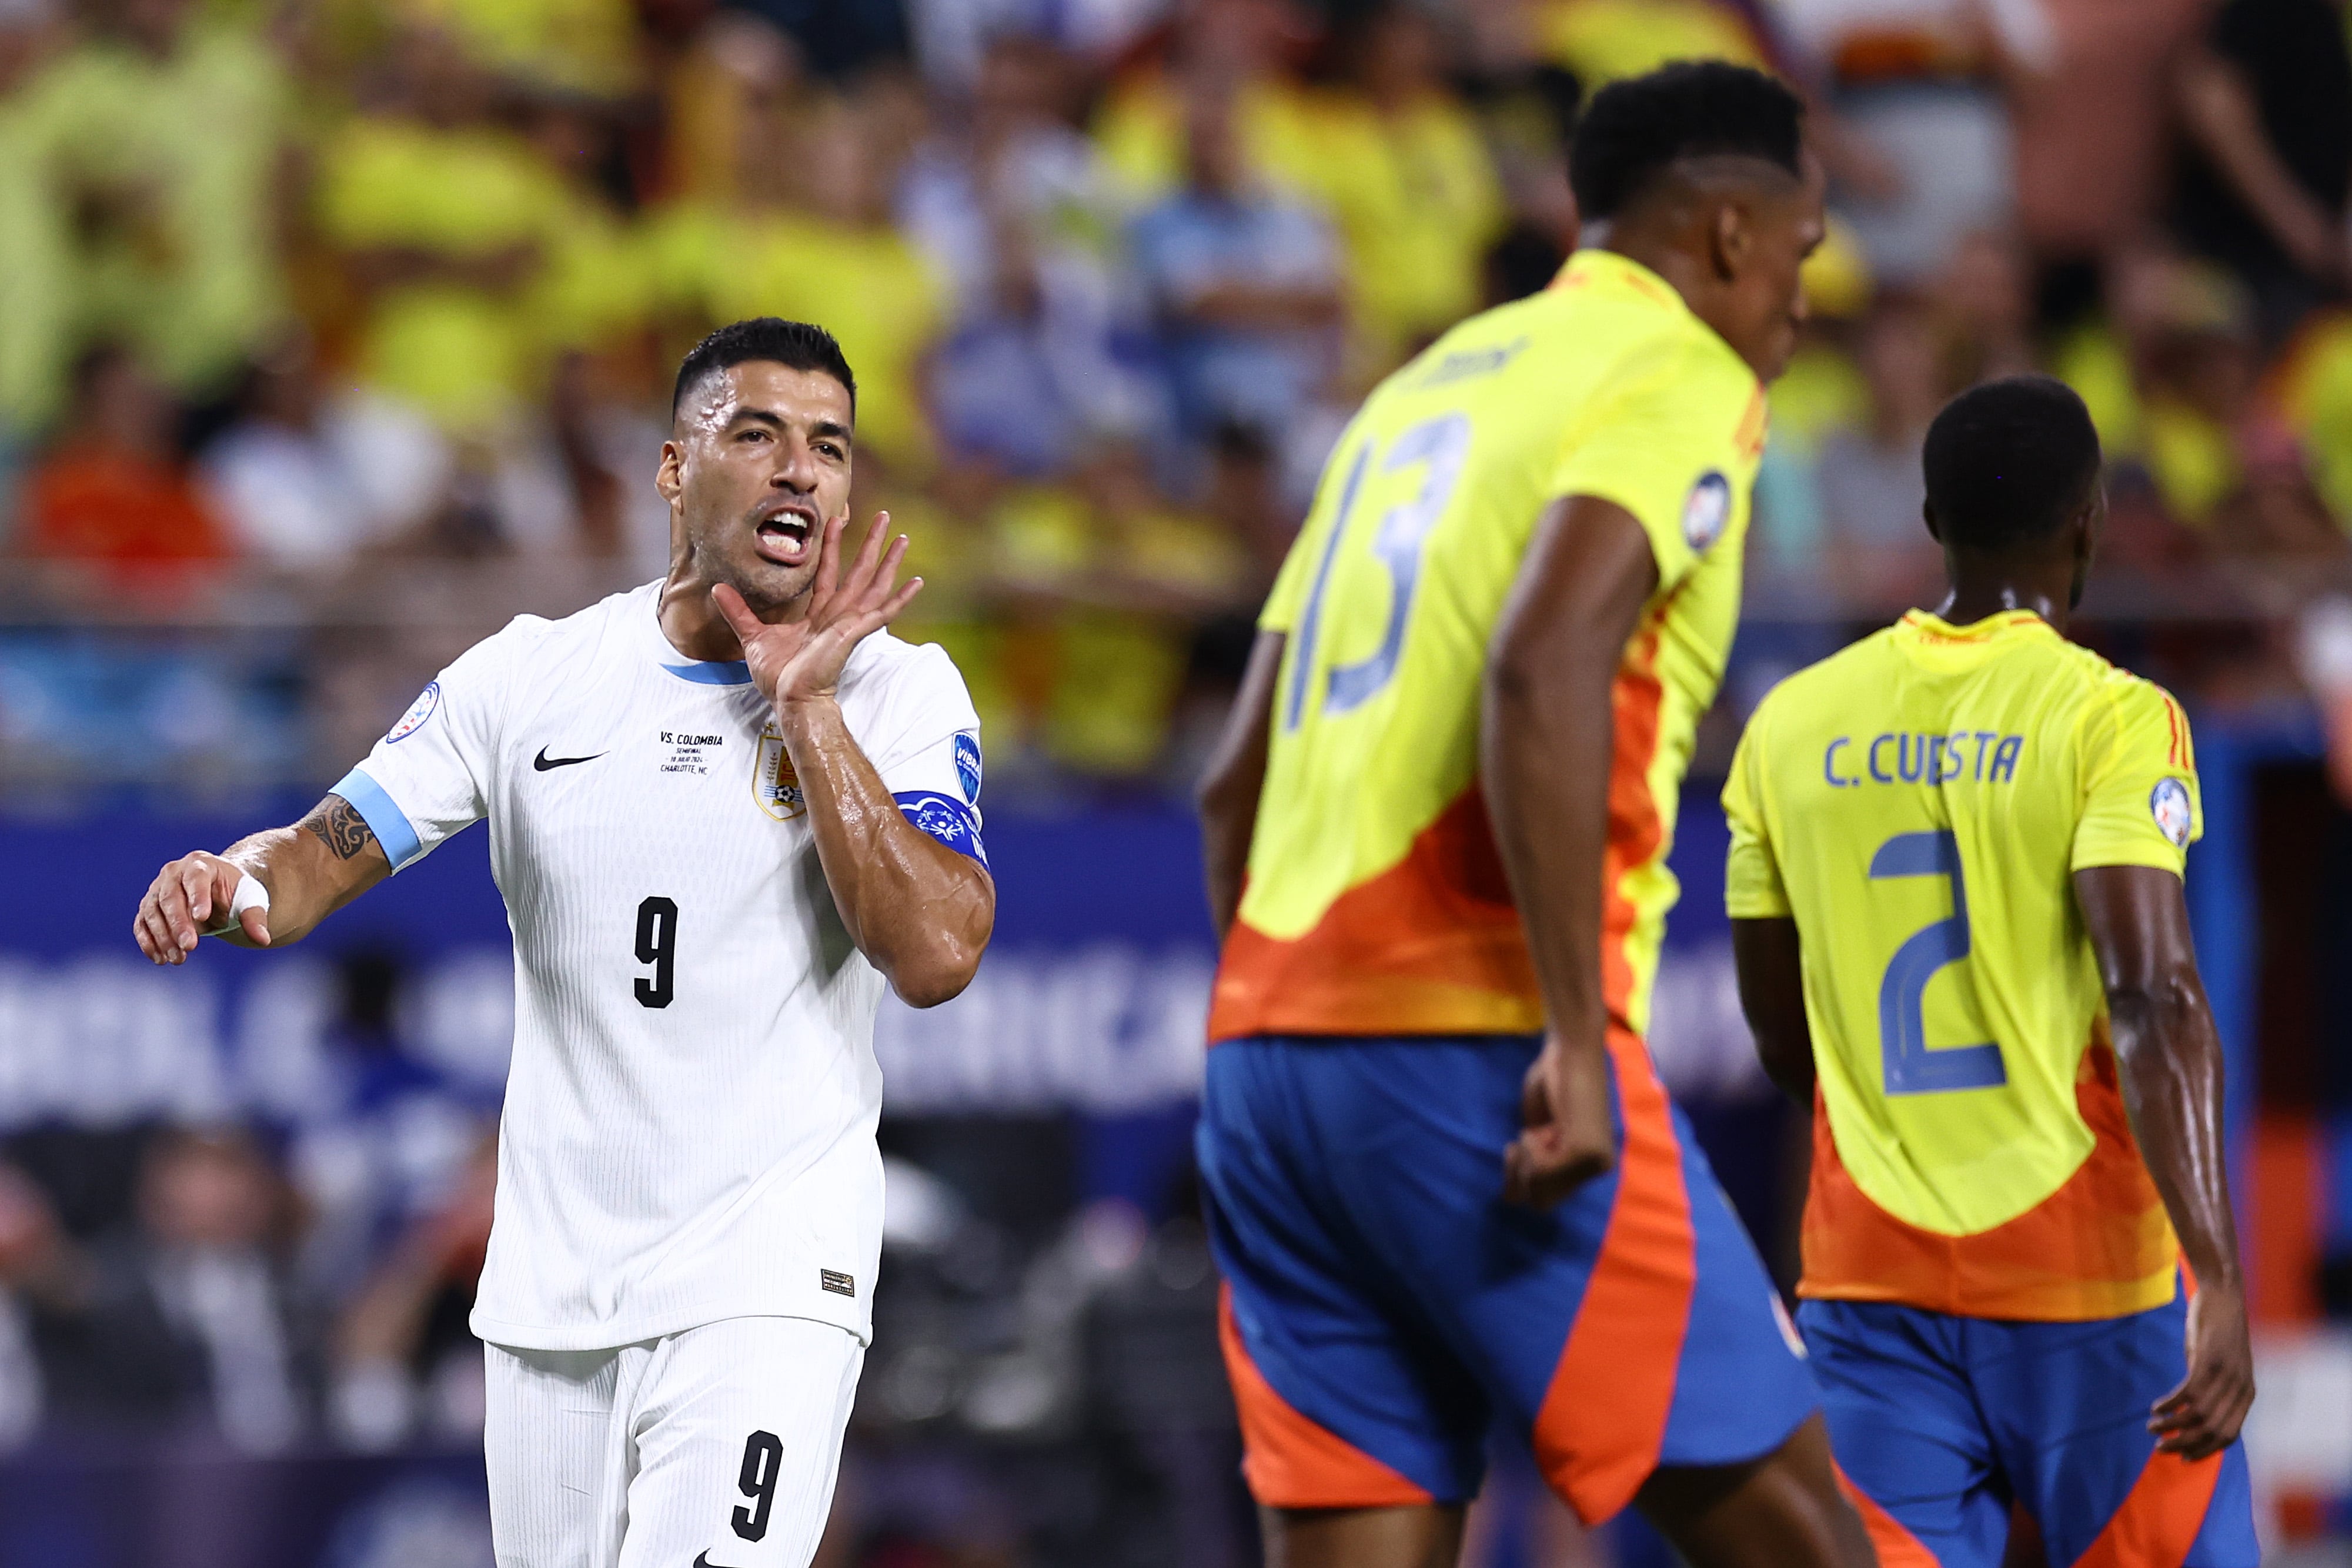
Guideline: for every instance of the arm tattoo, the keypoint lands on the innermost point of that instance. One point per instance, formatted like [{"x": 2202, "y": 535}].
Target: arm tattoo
[{"x": 339, "y": 827}]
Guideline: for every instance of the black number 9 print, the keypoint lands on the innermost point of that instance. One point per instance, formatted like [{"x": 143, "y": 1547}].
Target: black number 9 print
[
  {"x": 657, "y": 945},
  {"x": 763, "y": 1458}
]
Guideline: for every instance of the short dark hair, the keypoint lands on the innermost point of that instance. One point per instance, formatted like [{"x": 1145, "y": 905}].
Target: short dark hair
[
  {"x": 2008, "y": 462},
  {"x": 796, "y": 345},
  {"x": 1635, "y": 129}
]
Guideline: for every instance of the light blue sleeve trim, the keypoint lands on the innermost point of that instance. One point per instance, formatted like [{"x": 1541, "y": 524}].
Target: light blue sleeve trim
[
  {"x": 713, "y": 671},
  {"x": 387, "y": 821}
]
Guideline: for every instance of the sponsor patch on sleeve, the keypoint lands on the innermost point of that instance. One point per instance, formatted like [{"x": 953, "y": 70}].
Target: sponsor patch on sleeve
[
  {"x": 967, "y": 765},
  {"x": 1706, "y": 510},
  {"x": 2168, "y": 804},
  {"x": 428, "y": 702}
]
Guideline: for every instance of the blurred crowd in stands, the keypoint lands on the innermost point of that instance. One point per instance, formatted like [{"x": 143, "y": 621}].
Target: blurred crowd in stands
[{"x": 332, "y": 332}]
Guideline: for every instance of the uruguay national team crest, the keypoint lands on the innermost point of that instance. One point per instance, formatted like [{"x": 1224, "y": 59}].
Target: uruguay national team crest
[
  {"x": 773, "y": 783},
  {"x": 1706, "y": 510},
  {"x": 422, "y": 709},
  {"x": 967, "y": 763},
  {"x": 2168, "y": 804}
]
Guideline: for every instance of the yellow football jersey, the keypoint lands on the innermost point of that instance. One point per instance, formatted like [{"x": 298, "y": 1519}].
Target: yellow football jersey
[
  {"x": 1919, "y": 804},
  {"x": 1376, "y": 902}
]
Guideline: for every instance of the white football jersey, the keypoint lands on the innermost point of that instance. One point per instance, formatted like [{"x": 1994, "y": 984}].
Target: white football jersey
[{"x": 688, "y": 1132}]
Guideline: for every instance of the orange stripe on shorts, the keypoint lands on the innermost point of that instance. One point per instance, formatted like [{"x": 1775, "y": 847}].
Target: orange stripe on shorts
[
  {"x": 1288, "y": 1460},
  {"x": 1896, "y": 1547},
  {"x": 2158, "y": 1521},
  {"x": 1604, "y": 1415}
]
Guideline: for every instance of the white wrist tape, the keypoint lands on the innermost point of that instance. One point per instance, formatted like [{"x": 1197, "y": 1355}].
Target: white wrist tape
[{"x": 250, "y": 894}]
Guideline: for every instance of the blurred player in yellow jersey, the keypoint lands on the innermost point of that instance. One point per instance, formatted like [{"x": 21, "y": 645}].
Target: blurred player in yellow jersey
[
  {"x": 1445, "y": 1185},
  {"x": 1957, "y": 909}
]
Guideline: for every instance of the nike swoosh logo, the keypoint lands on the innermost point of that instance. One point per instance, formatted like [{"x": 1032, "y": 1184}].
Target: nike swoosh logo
[
  {"x": 704, "y": 1561},
  {"x": 542, "y": 762}
]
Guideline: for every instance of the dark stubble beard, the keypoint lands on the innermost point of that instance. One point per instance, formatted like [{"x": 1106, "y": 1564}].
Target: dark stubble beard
[{"x": 763, "y": 600}]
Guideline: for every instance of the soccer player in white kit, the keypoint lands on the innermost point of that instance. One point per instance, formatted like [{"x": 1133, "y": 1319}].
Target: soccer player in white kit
[{"x": 725, "y": 809}]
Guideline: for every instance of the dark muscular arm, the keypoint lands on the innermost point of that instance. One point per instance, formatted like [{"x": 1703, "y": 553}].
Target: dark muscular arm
[
  {"x": 1228, "y": 793},
  {"x": 1770, "y": 962},
  {"x": 310, "y": 869},
  {"x": 1547, "y": 740},
  {"x": 2170, "y": 1057}
]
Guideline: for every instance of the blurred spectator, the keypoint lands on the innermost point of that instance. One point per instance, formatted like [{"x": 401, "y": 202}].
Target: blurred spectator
[
  {"x": 35, "y": 262},
  {"x": 1983, "y": 295},
  {"x": 31, "y": 1250},
  {"x": 384, "y": 1136},
  {"x": 569, "y": 45},
  {"x": 306, "y": 483},
  {"x": 1109, "y": 578},
  {"x": 404, "y": 1355},
  {"x": 1527, "y": 105},
  {"x": 2179, "y": 394},
  {"x": 190, "y": 1321},
  {"x": 2314, "y": 389},
  {"x": 1410, "y": 182},
  {"x": 2265, "y": 99},
  {"x": 2089, "y": 117},
  {"x": 1602, "y": 40},
  {"x": 1869, "y": 479},
  {"x": 808, "y": 236},
  {"x": 1016, "y": 211},
  {"x": 469, "y": 247},
  {"x": 114, "y": 490},
  {"x": 1246, "y": 498},
  {"x": 1248, "y": 47},
  {"x": 841, "y": 38},
  {"x": 1164, "y": 1421},
  {"x": 951, "y": 37},
  {"x": 167, "y": 235},
  {"x": 723, "y": 69},
  {"x": 1244, "y": 284},
  {"x": 1916, "y": 84}
]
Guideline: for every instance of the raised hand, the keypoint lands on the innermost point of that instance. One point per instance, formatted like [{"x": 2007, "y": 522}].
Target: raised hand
[
  {"x": 795, "y": 660},
  {"x": 189, "y": 899}
]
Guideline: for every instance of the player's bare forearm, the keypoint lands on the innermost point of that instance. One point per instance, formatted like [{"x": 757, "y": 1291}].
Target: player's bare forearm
[
  {"x": 919, "y": 911},
  {"x": 1548, "y": 737},
  {"x": 2168, "y": 1053},
  {"x": 1230, "y": 786},
  {"x": 309, "y": 870},
  {"x": 1769, "y": 959},
  {"x": 1547, "y": 741},
  {"x": 2168, "y": 1059}
]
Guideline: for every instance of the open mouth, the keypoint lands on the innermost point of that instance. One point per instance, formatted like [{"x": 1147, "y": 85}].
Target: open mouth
[{"x": 785, "y": 536}]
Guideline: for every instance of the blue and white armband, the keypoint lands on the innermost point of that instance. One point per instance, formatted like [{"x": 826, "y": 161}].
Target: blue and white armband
[{"x": 946, "y": 819}]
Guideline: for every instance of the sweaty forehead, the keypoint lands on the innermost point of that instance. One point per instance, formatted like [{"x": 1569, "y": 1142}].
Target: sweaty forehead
[{"x": 798, "y": 397}]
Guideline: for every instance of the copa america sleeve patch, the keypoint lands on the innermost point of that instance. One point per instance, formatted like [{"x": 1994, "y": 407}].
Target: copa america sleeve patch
[
  {"x": 1705, "y": 511},
  {"x": 946, "y": 819},
  {"x": 422, "y": 709},
  {"x": 967, "y": 765},
  {"x": 2168, "y": 804}
]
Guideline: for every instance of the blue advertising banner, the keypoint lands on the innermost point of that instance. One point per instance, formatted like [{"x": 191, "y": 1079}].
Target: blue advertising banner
[{"x": 1092, "y": 997}]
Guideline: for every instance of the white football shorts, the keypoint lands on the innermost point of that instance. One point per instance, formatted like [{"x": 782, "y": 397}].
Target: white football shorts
[{"x": 712, "y": 1448}]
